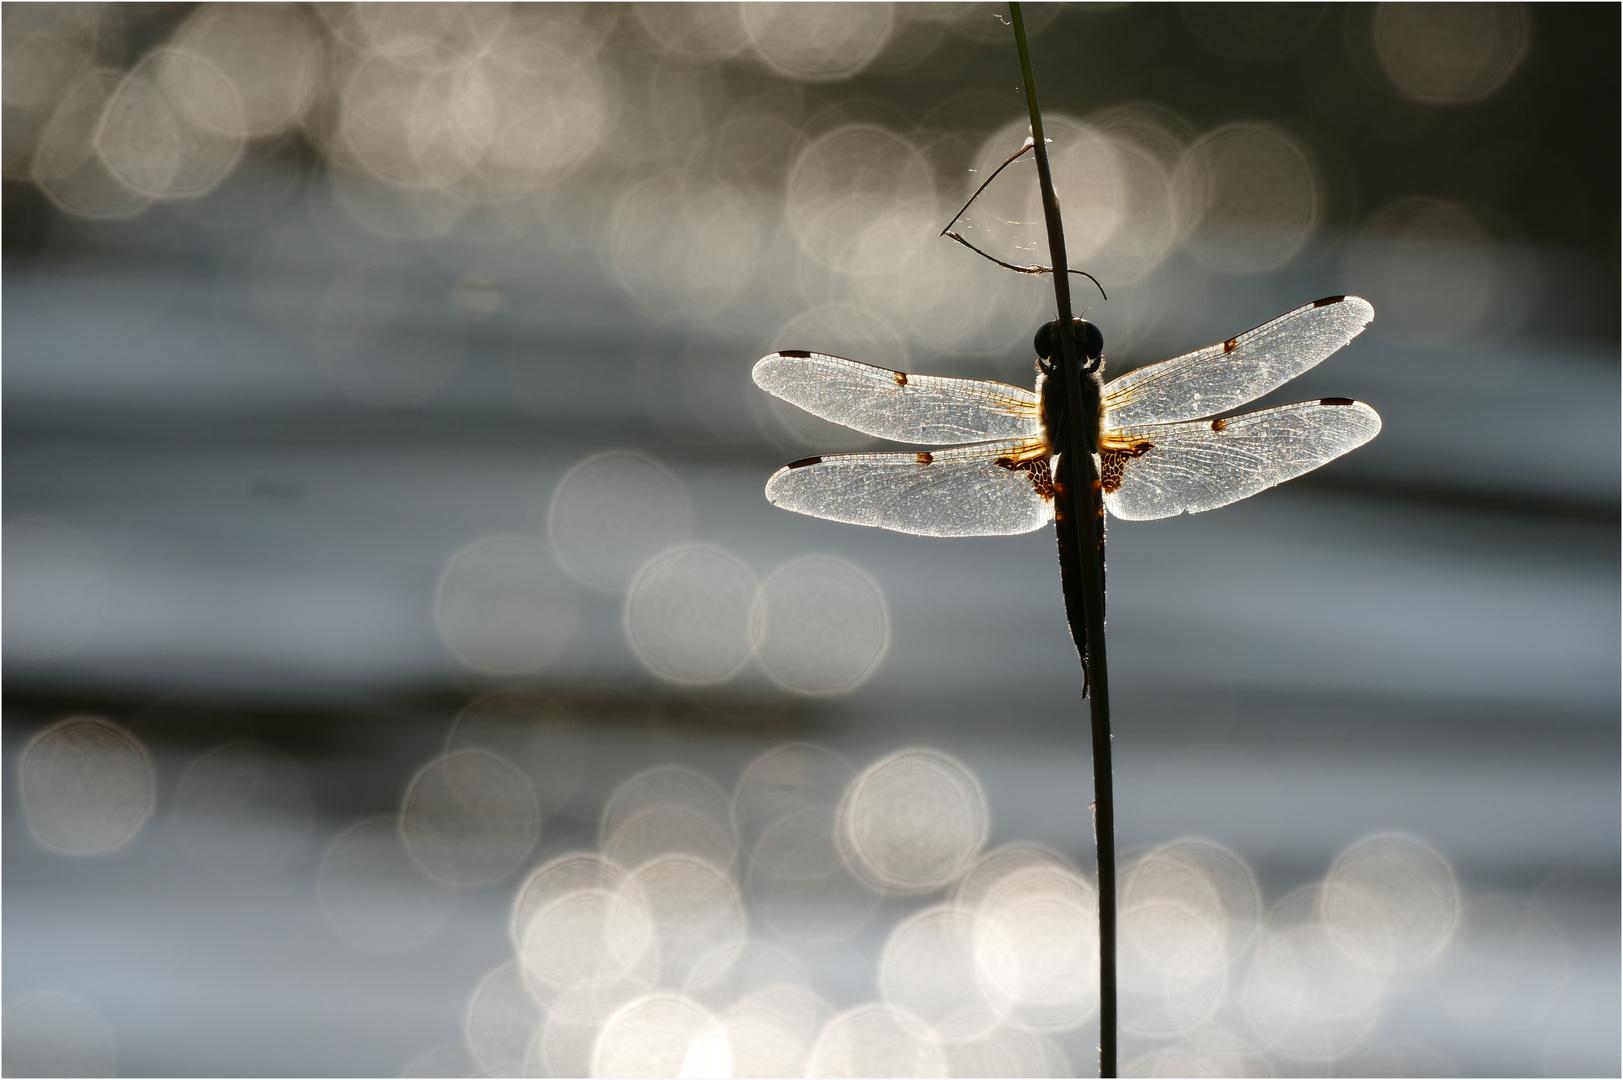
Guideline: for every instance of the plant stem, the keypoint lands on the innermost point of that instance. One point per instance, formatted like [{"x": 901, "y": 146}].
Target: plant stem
[{"x": 1090, "y": 522}]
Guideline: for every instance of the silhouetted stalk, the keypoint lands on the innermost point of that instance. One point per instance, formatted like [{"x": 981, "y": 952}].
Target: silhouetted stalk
[{"x": 1089, "y": 518}]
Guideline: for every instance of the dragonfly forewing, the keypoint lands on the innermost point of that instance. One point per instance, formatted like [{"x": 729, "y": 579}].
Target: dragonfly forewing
[
  {"x": 1237, "y": 371},
  {"x": 930, "y": 409},
  {"x": 988, "y": 489},
  {"x": 1204, "y": 464}
]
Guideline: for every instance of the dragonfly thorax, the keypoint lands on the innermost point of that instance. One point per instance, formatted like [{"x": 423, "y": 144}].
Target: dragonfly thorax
[
  {"x": 1090, "y": 347},
  {"x": 1054, "y": 396}
]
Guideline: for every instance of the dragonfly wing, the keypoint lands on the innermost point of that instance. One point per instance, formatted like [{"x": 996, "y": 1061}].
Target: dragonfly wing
[
  {"x": 1231, "y": 373},
  {"x": 1205, "y": 464},
  {"x": 988, "y": 489},
  {"x": 929, "y": 409}
]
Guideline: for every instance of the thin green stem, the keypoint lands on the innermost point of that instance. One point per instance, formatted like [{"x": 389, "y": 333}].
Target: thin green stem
[{"x": 1089, "y": 519}]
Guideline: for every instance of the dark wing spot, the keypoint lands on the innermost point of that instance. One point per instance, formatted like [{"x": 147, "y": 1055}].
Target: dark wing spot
[
  {"x": 1036, "y": 470},
  {"x": 1220, "y": 425},
  {"x": 795, "y": 354},
  {"x": 1228, "y": 346},
  {"x": 803, "y": 462},
  {"x": 900, "y": 377},
  {"x": 1328, "y": 300},
  {"x": 1337, "y": 401},
  {"x": 925, "y": 457},
  {"x": 1113, "y": 462}
]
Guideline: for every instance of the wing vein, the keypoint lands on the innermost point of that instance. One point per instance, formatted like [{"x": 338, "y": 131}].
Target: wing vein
[
  {"x": 930, "y": 409},
  {"x": 1230, "y": 374},
  {"x": 960, "y": 491}
]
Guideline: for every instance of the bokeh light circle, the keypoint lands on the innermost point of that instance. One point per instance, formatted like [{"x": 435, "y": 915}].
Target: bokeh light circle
[
  {"x": 668, "y": 810},
  {"x": 1391, "y": 902},
  {"x": 653, "y": 1036},
  {"x": 689, "y": 614},
  {"x": 1207, "y": 879},
  {"x": 501, "y": 1021},
  {"x": 824, "y": 626},
  {"x": 981, "y": 883},
  {"x": 754, "y": 144},
  {"x": 1306, "y": 998},
  {"x": 1090, "y": 183},
  {"x": 801, "y": 885},
  {"x": 87, "y": 786},
  {"x": 1252, "y": 194},
  {"x": 588, "y": 938},
  {"x": 1306, "y": 1009},
  {"x": 786, "y": 780},
  {"x": 1038, "y": 947},
  {"x": 1451, "y": 54},
  {"x": 271, "y": 53},
  {"x": 693, "y": 913},
  {"x": 1121, "y": 196},
  {"x": 817, "y": 41},
  {"x": 1009, "y": 1051},
  {"x": 1211, "y": 1051},
  {"x": 529, "y": 731},
  {"x": 543, "y": 107},
  {"x": 614, "y": 511},
  {"x": 685, "y": 248},
  {"x": 913, "y": 822},
  {"x": 39, "y": 66},
  {"x": 66, "y": 165},
  {"x": 557, "y": 879},
  {"x": 431, "y": 35},
  {"x": 930, "y": 968},
  {"x": 770, "y": 1033},
  {"x": 1173, "y": 964},
  {"x": 174, "y": 128},
  {"x": 54, "y": 1033},
  {"x": 469, "y": 818},
  {"x": 699, "y": 31},
  {"x": 848, "y": 186},
  {"x": 876, "y": 1040}
]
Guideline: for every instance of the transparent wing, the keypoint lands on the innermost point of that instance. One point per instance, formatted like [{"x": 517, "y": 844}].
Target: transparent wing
[
  {"x": 989, "y": 489},
  {"x": 1210, "y": 463},
  {"x": 1231, "y": 373},
  {"x": 929, "y": 409}
]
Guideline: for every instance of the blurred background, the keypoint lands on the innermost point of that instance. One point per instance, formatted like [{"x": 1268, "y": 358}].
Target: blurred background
[{"x": 405, "y": 674}]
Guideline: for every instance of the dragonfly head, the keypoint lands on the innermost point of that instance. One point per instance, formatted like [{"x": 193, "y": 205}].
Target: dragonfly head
[{"x": 1090, "y": 343}]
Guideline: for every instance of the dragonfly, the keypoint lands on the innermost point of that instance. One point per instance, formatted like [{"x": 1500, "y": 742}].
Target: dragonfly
[{"x": 1164, "y": 443}]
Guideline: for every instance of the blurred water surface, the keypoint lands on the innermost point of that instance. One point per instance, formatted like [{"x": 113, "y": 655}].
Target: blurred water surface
[{"x": 406, "y": 675}]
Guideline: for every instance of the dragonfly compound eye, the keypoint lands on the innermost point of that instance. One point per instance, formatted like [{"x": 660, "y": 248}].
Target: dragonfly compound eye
[
  {"x": 1090, "y": 343},
  {"x": 1047, "y": 341}
]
